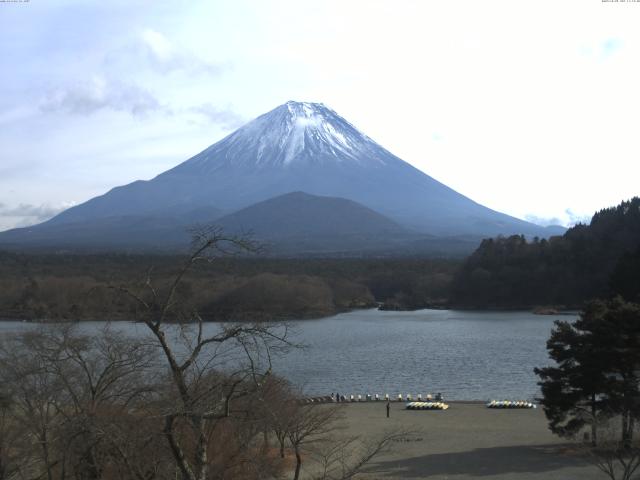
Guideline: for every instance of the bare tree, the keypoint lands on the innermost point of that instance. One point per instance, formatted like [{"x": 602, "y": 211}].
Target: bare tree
[
  {"x": 103, "y": 377},
  {"x": 209, "y": 371},
  {"x": 617, "y": 458},
  {"x": 310, "y": 425},
  {"x": 277, "y": 407},
  {"x": 315, "y": 432},
  {"x": 13, "y": 440},
  {"x": 36, "y": 398},
  {"x": 70, "y": 394},
  {"x": 343, "y": 458}
]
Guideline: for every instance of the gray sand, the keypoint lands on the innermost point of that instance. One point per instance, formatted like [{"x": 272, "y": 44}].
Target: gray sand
[{"x": 468, "y": 441}]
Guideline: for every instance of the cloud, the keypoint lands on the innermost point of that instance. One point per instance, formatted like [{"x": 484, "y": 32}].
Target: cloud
[
  {"x": 159, "y": 46},
  {"x": 98, "y": 93},
  {"x": 543, "y": 221},
  {"x": 165, "y": 56},
  {"x": 29, "y": 214},
  {"x": 610, "y": 46},
  {"x": 603, "y": 49},
  {"x": 223, "y": 117},
  {"x": 568, "y": 219},
  {"x": 575, "y": 218}
]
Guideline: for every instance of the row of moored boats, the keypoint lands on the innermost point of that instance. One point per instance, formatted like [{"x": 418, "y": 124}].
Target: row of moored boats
[
  {"x": 400, "y": 398},
  {"x": 427, "y": 406},
  {"x": 510, "y": 404},
  {"x": 429, "y": 402}
]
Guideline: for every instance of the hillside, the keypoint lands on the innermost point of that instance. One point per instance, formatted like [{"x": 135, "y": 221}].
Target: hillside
[
  {"x": 142, "y": 232},
  {"x": 587, "y": 261},
  {"x": 298, "y": 222}
]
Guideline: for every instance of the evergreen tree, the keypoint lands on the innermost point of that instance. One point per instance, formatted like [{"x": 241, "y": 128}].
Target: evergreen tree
[
  {"x": 597, "y": 372},
  {"x": 572, "y": 391},
  {"x": 625, "y": 279},
  {"x": 618, "y": 329}
]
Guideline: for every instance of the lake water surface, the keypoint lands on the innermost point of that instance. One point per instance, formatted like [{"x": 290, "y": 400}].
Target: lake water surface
[{"x": 463, "y": 354}]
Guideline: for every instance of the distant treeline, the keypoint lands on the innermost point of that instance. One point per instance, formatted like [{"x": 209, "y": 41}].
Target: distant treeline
[
  {"x": 597, "y": 260},
  {"x": 84, "y": 287}
]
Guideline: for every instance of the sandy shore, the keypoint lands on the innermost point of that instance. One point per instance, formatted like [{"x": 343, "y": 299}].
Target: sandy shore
[{"x": 468, "y": 441}]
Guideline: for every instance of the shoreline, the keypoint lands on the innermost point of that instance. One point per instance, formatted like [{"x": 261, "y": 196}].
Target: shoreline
[{"x": 303, "y": 318}]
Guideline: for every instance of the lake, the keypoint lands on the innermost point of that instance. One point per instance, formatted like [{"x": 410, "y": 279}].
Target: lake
[{"x": 466, "y": 355}]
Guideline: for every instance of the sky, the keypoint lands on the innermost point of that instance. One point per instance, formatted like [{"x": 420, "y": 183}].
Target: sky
[{"x": 528, "y": 107}]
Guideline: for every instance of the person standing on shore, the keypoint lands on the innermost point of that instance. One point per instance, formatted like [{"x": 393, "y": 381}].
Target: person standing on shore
[{"x": 388, "y": 407}]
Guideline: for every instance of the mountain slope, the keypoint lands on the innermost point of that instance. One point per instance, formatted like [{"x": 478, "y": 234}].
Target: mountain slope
[
  {"x": 304, "y": 147},
  {"x": 298, "y": 222},
  {"x": 300, "y": 214},
  {"x": 297, "y": 147},
  {"x": 294, "y": 224},
  {"x": 121, "y": 232}
]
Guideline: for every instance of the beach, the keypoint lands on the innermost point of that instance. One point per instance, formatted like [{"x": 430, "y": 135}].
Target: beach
[{"x": 467, "y": 441}]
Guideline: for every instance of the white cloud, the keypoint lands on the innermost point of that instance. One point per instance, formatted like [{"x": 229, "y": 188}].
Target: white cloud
[
  {"x": 569, "y": 218},
  {"x": 159, "y": 46},
  {"x": 610, "y": 46},
  {"x": 165, "y": 56},
  {"x": 543, "y": 221},
  {"x": 226, "y": 118},
  {"x": 97, "y": 93},
  {"x": 24, "y": 215},
  {"x": 575, "y": 218}
]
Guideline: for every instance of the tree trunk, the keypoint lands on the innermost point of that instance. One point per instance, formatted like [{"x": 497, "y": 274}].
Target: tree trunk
[
  {"x": 92, "y": 469},
  {"x": 201, "y": 449},
  {"x": 625, "y": 429},
  {"x": 178, "y": 454},
  {"x": 296, "y": 475},
  {"x": 594, "y": 422},
  {"x": 44, "y": 441}
]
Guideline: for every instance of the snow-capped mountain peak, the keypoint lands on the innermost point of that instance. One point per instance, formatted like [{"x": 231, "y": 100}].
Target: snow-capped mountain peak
[
  {"x": 300, "y": 147},
  {"x": 296, "y": 133}
]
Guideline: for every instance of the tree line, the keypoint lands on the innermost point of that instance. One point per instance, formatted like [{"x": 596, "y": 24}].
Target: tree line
[
  {"x": 588, "y": 261},
  {"x": 77, "y": 287}
]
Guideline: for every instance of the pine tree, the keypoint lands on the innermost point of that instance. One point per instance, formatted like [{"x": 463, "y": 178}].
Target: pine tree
[{"x": 597, "y": 372}]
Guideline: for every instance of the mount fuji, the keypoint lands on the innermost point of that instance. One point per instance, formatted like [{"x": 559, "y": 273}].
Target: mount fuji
[{"x": 297, "y": 147}]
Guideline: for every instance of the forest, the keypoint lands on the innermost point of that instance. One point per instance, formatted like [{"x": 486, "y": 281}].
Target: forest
[
  {"x": 85, "y": 287},
  {"x": 599, "y": 260},
  {"x": 588, "y": 261}
]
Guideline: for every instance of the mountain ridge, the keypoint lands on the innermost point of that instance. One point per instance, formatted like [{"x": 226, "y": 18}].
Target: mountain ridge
[{"x": 301, "y": 147}]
